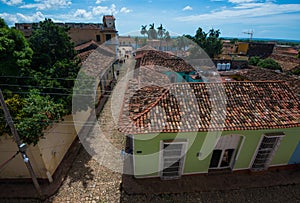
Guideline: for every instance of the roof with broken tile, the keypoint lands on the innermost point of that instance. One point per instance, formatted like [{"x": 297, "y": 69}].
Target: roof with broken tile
[
  {"x": 163, "y": 59},
  {"x": 190, "y": 107}
]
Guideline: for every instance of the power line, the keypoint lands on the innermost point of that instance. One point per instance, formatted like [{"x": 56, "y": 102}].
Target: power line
[
  {"x": 21, "y": 146},
  {"x": 8, "y": 160},
  {"x": 66, "y": 79}
]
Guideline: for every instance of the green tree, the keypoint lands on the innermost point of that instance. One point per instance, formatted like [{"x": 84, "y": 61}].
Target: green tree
[
  {"x": 167, "y": 38},
  {"x": 50, "y": 44},
  {"x": 181, "y": 42},
  {"x": 15, "y": 52},
  {"x": 296, "y": 71},
  {"x": 209, "y": 42},
  {"x": 152, "y": 33},
  {"x": 37, "y": 114},
  {"x": 254, "y": 61},
  {"x": 144, "y": 30},
  {"x": 160, "y": 33},
  {"x": 14, "y": 103},
  {"x": 269, "y": 64},
  {"x": 54, "y": 65}
]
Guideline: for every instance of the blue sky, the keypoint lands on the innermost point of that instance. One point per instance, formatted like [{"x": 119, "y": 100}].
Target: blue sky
[{"x": 267, "y": 18}]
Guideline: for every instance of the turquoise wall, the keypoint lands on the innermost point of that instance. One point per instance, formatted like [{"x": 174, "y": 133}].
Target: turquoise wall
[{"x": 181, "y": 75}]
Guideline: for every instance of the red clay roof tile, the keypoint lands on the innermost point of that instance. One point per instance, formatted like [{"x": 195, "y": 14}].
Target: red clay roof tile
[{"x": 188, "y": 107}]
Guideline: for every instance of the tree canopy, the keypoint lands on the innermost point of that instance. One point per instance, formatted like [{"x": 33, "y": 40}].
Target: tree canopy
[
  {"x": 15, "y": 52},
  {"x": 269, "y": 64},
  {"x": 54, "y": 66},
  {"x": 40, "y": 77},
  {"x": 209, "y": 42}
]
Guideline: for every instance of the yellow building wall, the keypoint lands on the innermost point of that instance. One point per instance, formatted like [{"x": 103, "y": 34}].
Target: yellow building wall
[
  {"x": 243, "y": 48},
  {"x": 58, "y": 140},
  {"x": 45, "y": 156},
  {"x": 80, "y": 35}
]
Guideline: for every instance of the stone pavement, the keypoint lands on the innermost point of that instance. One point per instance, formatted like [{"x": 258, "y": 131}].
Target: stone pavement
[
  {"x": 212, "y": 182},
  {"x": 88, "y": 180}
]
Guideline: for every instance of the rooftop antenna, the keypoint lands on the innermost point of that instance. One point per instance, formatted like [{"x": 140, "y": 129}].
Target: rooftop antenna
[{"x": 249, "y": 33}]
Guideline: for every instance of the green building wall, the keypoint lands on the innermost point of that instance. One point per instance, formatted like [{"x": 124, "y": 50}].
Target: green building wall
[{"x": 147, "y": 146}]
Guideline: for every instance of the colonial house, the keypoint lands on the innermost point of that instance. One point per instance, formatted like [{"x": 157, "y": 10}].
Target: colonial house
[
  {"x": 200, "y": 128},
  {"x": 82, "y": 32}
]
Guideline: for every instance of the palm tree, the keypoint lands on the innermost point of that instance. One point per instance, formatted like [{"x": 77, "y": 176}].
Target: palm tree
[
  {"x": 168, "y": 38},
  {"x": 144, "y": 30},
  {"x": 152, "y": 34},
  {"x": 160, "y": 32}
]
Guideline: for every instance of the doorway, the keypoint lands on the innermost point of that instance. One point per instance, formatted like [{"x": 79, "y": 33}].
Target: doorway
[{"x": 172, "y": 159}]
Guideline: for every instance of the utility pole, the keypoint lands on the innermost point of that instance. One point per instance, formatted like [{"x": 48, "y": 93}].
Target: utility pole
[{"x": 21, "y": 146}]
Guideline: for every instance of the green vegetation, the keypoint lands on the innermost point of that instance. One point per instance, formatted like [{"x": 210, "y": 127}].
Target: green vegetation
[
  {"x": 15, "y": 52},
  {"x": 37, "y": 77},
  {"x": 296, "y": 71},
  {"x": 264, "y": 63},
  {"x": 209, "y": 42},
  {"x": 254, "y": 60}
]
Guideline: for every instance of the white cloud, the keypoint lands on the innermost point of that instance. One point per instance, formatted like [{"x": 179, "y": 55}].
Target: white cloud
[
  {"x": 48, "y": 4},
  {"x": 12, "y": 2},
  {"x": 11, "y": 19},
  {"x": 244, "y": 11},
  {"x": 81, "y": 13},
  {"x": 104, "y": 10},
  {"x": 125, "y": 10},
  {"x": 99, "y": 1},
  {"x": 248, "y": 5},
  {"x": 241, "y": 1},
  {"x": 187, "y": 8}
]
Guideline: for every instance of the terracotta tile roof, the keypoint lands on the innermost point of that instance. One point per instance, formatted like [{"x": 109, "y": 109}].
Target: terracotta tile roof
[
  {"x": 93, "y": 50},
  {"x": 90, "y": 45},
  {"x": 286, "y": 62},
  {"x": 259, "y": 74},
  {"x": 84, "y": 55},
  {"x": 163, "y": 59},
  {"x": 187, "y": 107},
  {"x": 95, "y": 62}
]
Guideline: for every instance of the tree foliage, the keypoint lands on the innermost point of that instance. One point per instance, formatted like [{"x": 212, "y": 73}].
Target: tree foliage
[
  {"x": 48, "y": 67},
  {"x": 269, "y": 64},
  {"x": 15, "y": 52},
  {"x": 37, "y": 114},
  {"x": 254, "y": 60},
  {"x": 264, "y": 63},
  {"x": 50, "y": 44},
  {"x": 209, "y": 42},
  {"x": 54, "y": 66},
  {"x": 152, "y": 33},
  {"x": 296, "y": 71}
]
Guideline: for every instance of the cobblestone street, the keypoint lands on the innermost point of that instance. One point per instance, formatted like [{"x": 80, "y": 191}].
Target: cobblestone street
[
  {"x": 88, "y": 180},
  {"x": 290, "y": 193}
]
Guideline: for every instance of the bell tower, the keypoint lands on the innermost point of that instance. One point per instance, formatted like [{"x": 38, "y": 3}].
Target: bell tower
[{"x": 109, "y": 21}]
